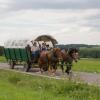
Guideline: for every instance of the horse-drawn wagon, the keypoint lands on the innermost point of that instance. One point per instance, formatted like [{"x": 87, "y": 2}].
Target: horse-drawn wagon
[{"x": 19, "y": 51}]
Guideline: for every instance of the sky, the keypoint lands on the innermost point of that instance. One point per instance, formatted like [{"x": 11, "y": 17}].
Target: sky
[{"x": 68, "y": 21}]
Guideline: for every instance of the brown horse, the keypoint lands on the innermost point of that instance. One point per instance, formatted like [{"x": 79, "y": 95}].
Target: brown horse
[
  {"x": 49, "y": 59},
  {"x": 68, "y": 58}
]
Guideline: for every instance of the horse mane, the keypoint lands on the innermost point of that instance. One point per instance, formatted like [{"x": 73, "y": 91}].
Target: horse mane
[{"x": 56, "y": 49}]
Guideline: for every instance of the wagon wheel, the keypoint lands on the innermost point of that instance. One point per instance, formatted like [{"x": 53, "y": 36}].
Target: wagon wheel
[
  {"x": 12, "y": 64},
  {"x": 27, "y": 66}
]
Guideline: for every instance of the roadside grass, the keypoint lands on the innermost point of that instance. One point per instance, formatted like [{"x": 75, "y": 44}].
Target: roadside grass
[
  {"x": 2, "y": 59},
  {"x": 87, "y": 65},
  {"x": 17, "y": 86}
]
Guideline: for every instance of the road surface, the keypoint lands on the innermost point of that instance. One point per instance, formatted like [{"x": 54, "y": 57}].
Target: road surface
[{"x": 90, "y": 78}]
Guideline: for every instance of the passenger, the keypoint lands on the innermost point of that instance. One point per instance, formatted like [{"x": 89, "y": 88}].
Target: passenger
[
  {"x": 44, "y": 48},
  {"x": 40, "y": 47},
  {"x": 28, "y": 48},
  {"x": 35, "y": 52},
  {"x": 48, "y": 48}
]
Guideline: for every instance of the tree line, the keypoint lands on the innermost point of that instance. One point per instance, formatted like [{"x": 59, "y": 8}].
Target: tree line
[{"x": 89, "y": 52}]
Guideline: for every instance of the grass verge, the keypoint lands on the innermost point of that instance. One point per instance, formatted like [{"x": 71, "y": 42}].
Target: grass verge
[
  {"x": 17, "y": 86},
  {"x": 87, "y": 65}
]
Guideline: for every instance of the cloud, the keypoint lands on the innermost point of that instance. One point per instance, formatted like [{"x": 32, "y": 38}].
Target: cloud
[
  {"x": 55, "y": 4},
  {"x": 13, "y": 5},
  {"x": 67, "y": 26},
  {"x": 69, "y": 21},
  {"x": 4, "y": 4}
]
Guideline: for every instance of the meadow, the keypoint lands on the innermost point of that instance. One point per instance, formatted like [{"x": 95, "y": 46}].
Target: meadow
[
  {"x": 87, "y": 65},
  {"x": 2, "y": 59},
  {"x": 17, "y": 86}
]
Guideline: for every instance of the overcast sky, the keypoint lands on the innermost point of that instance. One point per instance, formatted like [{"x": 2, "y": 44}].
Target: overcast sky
[{"x": 69, "y": 21}]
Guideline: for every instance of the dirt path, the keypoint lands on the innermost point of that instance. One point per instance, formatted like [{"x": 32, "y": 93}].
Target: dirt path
[{"x": 90, "y": 78}]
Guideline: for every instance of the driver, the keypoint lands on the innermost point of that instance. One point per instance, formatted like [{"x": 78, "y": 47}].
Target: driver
[{"x": 35, "y": 51}]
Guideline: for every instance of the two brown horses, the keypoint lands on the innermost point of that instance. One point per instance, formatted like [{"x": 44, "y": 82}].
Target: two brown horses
[{"x": 49, "y": 59}]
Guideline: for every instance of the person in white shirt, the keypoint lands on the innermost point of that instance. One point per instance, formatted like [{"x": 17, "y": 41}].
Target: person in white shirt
[{"x": 35, "y": 51}]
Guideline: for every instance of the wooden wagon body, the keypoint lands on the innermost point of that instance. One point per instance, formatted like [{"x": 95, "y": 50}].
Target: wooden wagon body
[{"x": 17, "y": 52}]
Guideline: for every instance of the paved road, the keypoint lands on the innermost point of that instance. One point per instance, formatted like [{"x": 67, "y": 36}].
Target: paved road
[{"x": 90, "y": 78}]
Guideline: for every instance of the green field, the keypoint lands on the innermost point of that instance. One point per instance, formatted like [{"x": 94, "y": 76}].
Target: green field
[
  {"x": 2, "y": 59},
  {"x": 16, "y": 86},
  {"x": 87, "y": 65}
]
